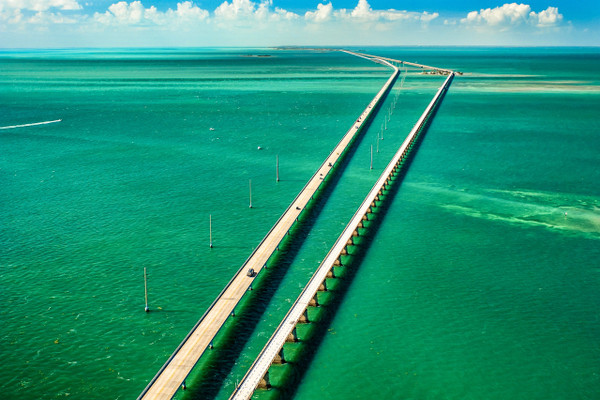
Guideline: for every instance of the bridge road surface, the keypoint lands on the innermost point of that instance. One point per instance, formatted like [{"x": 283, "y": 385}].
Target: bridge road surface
[
  {"x": 174, "y": 372},
  {"x": 421, "y": 66}
]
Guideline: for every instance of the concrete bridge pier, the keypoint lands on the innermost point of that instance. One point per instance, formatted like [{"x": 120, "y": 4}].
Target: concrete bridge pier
[
  {"x": 293, "y": 336},
  {"x": 265, "y": 382},
  {"x": 304, "y": 317},
  {"x": 279, "y": 358},
  {"x": 323, "y": 286}
]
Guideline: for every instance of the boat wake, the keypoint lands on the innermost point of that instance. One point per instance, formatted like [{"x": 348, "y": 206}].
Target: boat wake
[{"x": 33, "y": 124}]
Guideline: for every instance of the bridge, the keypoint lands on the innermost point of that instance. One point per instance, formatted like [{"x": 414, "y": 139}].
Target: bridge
[
  {"x": 176, "y": 369},
  {"x": 173, "y": 373},
  {"x": 257, "y": 375}
]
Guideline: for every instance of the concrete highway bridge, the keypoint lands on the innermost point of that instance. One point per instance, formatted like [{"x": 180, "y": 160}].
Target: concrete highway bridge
[{"x": 171, "y": 377}]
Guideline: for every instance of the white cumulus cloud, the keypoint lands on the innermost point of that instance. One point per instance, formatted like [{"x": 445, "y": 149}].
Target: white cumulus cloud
[
  {"x": 364, "y": 12},
  {"x": 236, "y": 9},
  {"x": 37, "y": 12},
  {"x": 286, "y": 15},
  {"x": 513, "y": 14},
  {"x": 125, "y": 13},
  {"x": 39, "y": 5},
  {"x": 45, "y": 18},
  {"x": 247, "y": 11},
  {"x": 322, "y": 14},
  {"x": 187, "y": 11},
  {"x": 134, "y": 13},
  {"x": 14, "y": 16},
  {"x": 227, "y": 14},
  {"x": 549, "y": 17},
  {"x": 258, "y": 22}
]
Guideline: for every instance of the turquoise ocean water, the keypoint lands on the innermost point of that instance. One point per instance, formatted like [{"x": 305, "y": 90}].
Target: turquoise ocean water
[{"x": 480, "y": 281}]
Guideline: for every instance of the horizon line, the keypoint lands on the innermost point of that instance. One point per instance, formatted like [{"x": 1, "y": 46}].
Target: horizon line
[{"x": 299, "y": 47}]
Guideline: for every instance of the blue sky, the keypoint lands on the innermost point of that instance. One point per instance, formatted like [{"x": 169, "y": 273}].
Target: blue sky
[{"x": 172, "y": 23}]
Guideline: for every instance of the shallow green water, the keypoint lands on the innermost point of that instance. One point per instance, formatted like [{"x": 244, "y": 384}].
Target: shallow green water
[{"x": 480, "y": 282}]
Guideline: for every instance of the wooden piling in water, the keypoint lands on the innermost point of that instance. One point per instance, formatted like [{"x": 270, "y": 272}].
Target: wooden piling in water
[{"x": 146, "y": 290}]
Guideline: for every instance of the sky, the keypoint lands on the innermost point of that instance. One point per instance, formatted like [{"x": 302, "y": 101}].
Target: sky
[{"x": 263, "y": 23}]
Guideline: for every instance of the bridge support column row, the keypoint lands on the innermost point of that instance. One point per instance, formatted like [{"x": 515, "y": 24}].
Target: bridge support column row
[
  {"x": 356, "y": 233},
  {"x": 265, "y": 382},
  {"x": 292, "y": 337}
]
